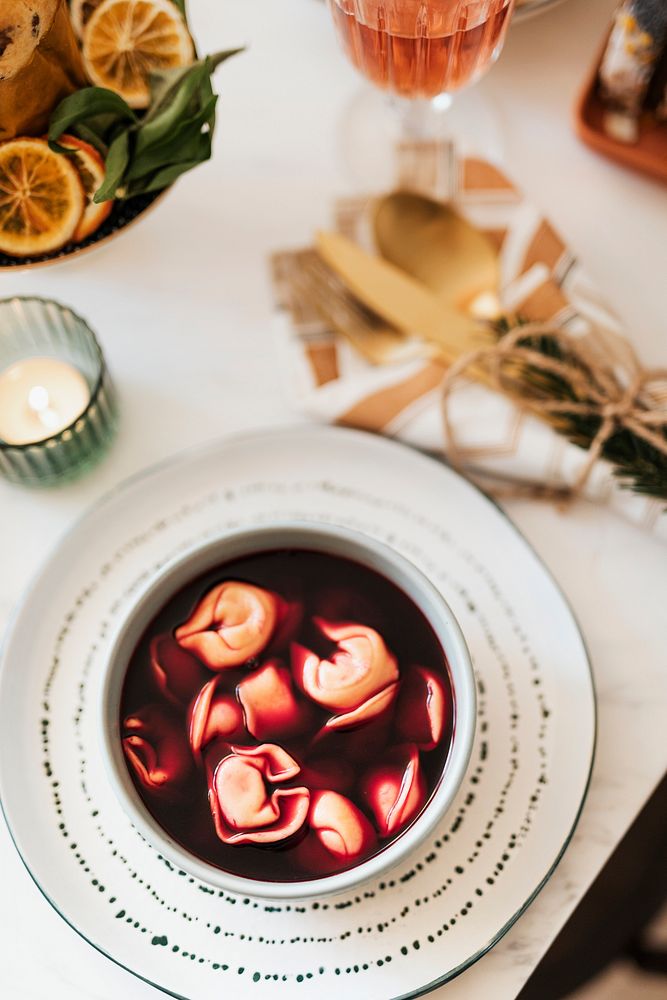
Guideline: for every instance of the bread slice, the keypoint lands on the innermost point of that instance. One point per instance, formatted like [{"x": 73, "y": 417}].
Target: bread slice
[{"x": 23, "y": 24}]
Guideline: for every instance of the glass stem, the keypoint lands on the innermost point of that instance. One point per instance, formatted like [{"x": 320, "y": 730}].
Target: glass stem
[{"x": 422, "y": 120}]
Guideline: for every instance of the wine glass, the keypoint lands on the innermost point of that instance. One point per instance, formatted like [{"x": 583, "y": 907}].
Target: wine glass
[{"x": 418, "y": 54}]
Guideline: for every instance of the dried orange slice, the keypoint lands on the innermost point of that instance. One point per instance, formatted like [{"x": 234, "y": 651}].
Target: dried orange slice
[
  {"x": 81, "y": 12},
  {"x": 125, "y": 40},
  {"x": 90, "y": 165},
  {"x": 41, "y": 198}
]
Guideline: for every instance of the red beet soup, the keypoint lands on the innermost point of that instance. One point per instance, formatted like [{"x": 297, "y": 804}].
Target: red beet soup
[{"x": 287, "y": 715}]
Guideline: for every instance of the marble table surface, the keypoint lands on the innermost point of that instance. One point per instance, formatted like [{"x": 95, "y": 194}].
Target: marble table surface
[{"x": 183, "y": 309}]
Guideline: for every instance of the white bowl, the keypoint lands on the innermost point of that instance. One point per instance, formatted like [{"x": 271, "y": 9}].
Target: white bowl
[{"x": 331, "y": 540}]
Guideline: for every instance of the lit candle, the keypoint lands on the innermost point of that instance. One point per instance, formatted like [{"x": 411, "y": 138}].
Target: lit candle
[
  {"x": 39, "y": 397},
  {"x": 57, "y": 402}
]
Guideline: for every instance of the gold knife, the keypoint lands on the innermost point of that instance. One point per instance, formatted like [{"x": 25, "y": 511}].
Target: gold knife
[{"x": 400, "y": 299}]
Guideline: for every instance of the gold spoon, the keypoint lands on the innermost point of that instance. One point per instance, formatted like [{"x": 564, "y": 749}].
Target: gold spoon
[{"x": 434, "y": 244}]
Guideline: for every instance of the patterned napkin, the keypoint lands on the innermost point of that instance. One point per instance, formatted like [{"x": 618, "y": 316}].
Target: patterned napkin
[{"x": 503, "y": 448}]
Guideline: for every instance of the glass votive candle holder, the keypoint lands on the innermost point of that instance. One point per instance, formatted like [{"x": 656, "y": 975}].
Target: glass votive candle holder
[{"x": 58, "y": 408}]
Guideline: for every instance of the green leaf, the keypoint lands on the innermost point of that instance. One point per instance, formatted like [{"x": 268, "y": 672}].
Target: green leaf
[
  {"x": 174, "y": 145},
  {"x": 167, "y": 175},
  {"x": 146, "y": 152},
  {"x": 84, "y": 105},
  {"x": 162, "y": 83},
  {"x": 165, "y": 83},
  {"x": 115, "y": 166},
  {"x": 195, "y": 148},
  {"x": 218, "y": 58},
  {"x": 156, "y": 126},
  {"x": 90, "y": 136}
]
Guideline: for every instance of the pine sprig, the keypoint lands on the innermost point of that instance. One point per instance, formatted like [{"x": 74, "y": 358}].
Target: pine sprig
[{"x": 637, "y": 465}]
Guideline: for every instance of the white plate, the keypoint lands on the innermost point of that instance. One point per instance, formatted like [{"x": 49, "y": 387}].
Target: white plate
[{"x": 447, "y": 904}]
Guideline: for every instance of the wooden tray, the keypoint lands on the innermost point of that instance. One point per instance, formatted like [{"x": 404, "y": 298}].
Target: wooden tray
[{"x": 648, "y": 155}]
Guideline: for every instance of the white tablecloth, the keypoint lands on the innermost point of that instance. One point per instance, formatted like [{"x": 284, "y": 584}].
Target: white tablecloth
[{"x": 183, "y": 307}]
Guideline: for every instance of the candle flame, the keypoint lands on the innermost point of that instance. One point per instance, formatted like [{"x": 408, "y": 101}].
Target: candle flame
[
  {"x": 38, "y": 398},
  {"x": 39, "y": 401}
]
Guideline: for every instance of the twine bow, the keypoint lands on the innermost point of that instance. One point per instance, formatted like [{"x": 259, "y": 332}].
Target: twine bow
[{"x": 634, "y": 401}]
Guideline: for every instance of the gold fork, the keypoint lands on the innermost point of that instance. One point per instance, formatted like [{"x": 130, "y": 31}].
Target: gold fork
[{"x": 311, "y": 280}]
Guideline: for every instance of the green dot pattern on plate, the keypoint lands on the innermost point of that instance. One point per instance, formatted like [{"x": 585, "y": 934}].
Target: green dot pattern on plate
[{"x": 487, "y": 871}]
